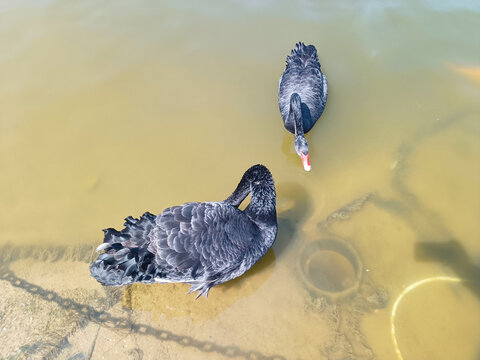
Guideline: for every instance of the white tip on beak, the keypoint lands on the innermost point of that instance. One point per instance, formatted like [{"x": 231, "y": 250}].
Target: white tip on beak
[{"x": 306, "y": 162}]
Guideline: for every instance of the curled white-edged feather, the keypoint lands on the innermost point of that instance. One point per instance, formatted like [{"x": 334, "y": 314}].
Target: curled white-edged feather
[{"x": 103, "y": 247}]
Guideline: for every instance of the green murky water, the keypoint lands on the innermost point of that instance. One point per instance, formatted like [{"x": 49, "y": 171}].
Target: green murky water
[{"x": 113, "y": 108}]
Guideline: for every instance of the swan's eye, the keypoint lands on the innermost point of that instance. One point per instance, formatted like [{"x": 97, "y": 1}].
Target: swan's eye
[{"x": 257, "y": 182}]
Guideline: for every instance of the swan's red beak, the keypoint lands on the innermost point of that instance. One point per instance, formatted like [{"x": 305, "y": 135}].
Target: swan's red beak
[{"x": 306, "y": 162}]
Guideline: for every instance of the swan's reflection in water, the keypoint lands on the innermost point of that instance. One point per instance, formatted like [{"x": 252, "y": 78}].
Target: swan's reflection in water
[
  {"x": 294, "y": 207},
  {"x": 288, "y": 149}
]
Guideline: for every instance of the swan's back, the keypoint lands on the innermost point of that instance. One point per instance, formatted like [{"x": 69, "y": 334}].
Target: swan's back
[
  {"x": 303, "y": 76},
  {"x": 201, "y": 244},
  {"x": 198, "y": 243}
]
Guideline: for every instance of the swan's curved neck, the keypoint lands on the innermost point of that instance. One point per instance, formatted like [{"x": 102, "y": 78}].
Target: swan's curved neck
[
  {"x": 259, "y": 182},
  {"x": 298, "y": 126},
  {"x": 240, "y": 193},
  {"x": 296, "y": 114}
]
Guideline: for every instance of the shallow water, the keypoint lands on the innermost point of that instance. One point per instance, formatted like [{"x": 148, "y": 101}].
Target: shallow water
[{"x": 110, "y": 109}]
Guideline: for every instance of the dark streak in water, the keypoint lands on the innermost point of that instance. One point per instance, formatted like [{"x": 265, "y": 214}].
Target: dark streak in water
[
  {"x": 435, "y": 239},
  {"x": 452, "y": 254}
]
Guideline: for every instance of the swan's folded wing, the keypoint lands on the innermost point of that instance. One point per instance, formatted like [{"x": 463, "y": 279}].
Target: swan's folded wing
[{"x": 197, "y": 240}]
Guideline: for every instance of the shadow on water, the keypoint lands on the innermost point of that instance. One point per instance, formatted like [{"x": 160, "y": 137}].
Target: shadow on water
[
  {"x": 453, "y": 255},
  {"x": 288, "y": 149},
  {"x": 297, "y": 205}
]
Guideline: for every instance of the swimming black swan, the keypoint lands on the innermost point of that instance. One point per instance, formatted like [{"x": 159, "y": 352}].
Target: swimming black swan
[
  {"x": 302, "y": 95},
  {"x": 201, "y": 244}
]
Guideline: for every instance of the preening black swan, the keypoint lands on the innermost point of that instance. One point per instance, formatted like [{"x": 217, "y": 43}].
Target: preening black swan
[
  {"x": 302, "y": 95},
  {"x": 201, "y": 244}
]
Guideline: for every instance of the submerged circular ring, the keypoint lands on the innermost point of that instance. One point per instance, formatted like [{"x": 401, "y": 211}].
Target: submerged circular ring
[
  {"x": 334, "y": 253},
  {"x": 405, "y": 292}
]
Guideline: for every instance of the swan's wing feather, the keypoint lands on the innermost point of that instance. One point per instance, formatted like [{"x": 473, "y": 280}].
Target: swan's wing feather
[{"x": 200, "y": 239}]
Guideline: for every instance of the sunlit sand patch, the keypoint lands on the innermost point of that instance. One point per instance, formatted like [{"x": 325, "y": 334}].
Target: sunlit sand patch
[
  {"x": 34, "y": 327},
  {"x": 471, "y": 72}
]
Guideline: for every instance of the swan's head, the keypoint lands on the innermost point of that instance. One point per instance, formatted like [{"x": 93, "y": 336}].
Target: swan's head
[{"x": 301, "y": 147}]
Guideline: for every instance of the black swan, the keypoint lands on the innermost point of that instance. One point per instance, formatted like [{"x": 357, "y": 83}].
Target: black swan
[
  {"x": 302, "y": 95},
  {"x": 201, "y": 244}
]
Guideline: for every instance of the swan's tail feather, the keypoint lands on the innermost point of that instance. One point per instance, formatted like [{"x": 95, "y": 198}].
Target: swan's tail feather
[
  {"x": 303, "y": 55},
  {"x": 126, "y": 258}
]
